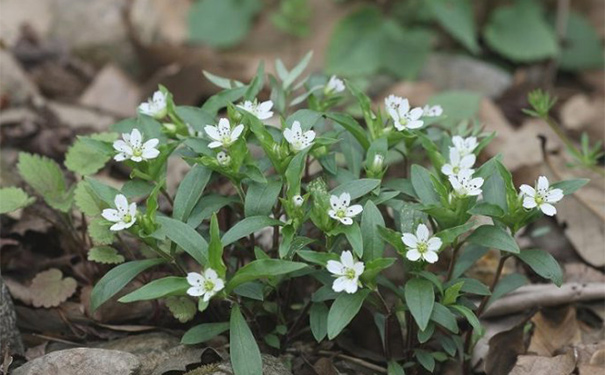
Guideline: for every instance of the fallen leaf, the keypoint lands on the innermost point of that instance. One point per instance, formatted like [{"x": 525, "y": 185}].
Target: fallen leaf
[
  {"x": 563, "y": 364},
  {"x": 504, "y": 348},
  {"x": 580, "y": 112},
  {"x": 50, "y": 289},
  {"x": 554, "y": 330}
]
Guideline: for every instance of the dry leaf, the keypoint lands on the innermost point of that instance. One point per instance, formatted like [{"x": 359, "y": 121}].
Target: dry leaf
[
  {"x": 554, "y": 330},
  {"x": 563, "y": 364},
  {"x": 50, "y": 289},
  {"x": 504, "y": 348}
]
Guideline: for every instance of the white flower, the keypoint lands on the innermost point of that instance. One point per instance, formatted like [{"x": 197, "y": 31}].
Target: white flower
[
  {"x": 334, "y": 86},
  {"x": 298, "y": 200},
  {"x": 262, "y": 111},
  {"x": 543, "y": 196},
  {"x": 433, "y": 111},
  {"x": 378, "y": 162},
  {"x": 297, "y": 139},
  {"x": 131, "y": 147},
  {"x": 457, "y": 163},
  {"x": 347, "y": 272},
  {"x": 403, "y": 118},
  {"x": 155, "y": 107},
  {"x": 465, "y": 185},
  {"x": 206, "y": 284},
  {"x": 341, "y": 210},
  {"x": 124, "y": 215},
  {"x": 223, "y": 158},
  {"x": 222, "y": 135},
  {"x": 421, "y": 245},
  {"x": 465, "y": 146}
]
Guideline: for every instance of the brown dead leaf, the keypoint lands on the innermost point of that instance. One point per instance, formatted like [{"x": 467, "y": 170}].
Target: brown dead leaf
[
  {"x": 325, "y": 366},
  {"x": 581, "y": 111},
  {"x": 555, "y": 329},
  {"x": 504, "y": 348},
  {"x": 590, "y": 370},
  {"x": 417, "y": 92},
  {"x": 50, "y": 289},
  {"x": 563, "y": 364}
]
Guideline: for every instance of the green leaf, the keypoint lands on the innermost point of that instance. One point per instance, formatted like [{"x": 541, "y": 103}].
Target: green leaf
[
  {"x": 262, "y": 268},
  {"x": 423, "y": 185},
  {"x": 450, "y": 235},
  {"x": 374, "y": 267},
  {"x": 190, "y": 191},
  {"x": 444, "y": 317},
  {"x": 297, "y": 70},
  {"x": 506, "y": 285},
  {"x": 494, "y": 237},
  {"x": 582, "y": 47},
  {"x": 246, "y": 227},
  {"x": 420, "y": 299},
  {"x": 394, "y": 368},
  {"x": 182, "y": 308},
  {"x": 221, "y": 23},
  {"x": 206, "y": 206},
  {"x": 294, "y": 173},
  {"x": 456, "y": 16},
  {"x": 393, "y": 238},
  {"x": 352, "y": 126},
  {"x": 458, "y": 105},
  {"x": 357, "y": 188},
  {"x": 103, "y": 192},
  {"x": 105, "y": 255},
  {"x": 520, "y": 33},
  {"x": 487, "y": 209},
  {"x": 186, "y": 237},
  {"x": 167, "y": 286},
  {"x": 371, "y": 219},
  {"x": 317, "y": 257},
  {"x": 470, "y": 317},
  {"x": 12, "y": 199},
  {"x": 318, "y": 319},
  {"x": 343, "y": 310},
  {"x": 86, "y": 200},
  {"x": 353, "y": 234},
  {"x": 245, "y": 355},
  {"x": 117, "y": 278},
  {"x": 89, "y": 154},
  {"x": 46, "y": 178},
  {"x": 253, "y": 290},
  {"x": 570, "y": 186},
  {"x": 194, "y": 116},
  {"x": 260, "y": 198},
  {"x": 223, "y": 99},
  {"x": 451, "y": 293},
  {"x": 543, "y": 264},
  {"x": 405, "y": 50},
  {"x": 203, "y": 332},
  {"x": 357, "y": 43},
  {"x": 99, "y": 232},
  {"x": 215, "y": 248},
  {"x": 425, "y": 358}
]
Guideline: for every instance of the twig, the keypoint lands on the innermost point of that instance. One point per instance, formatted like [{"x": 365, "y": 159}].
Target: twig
[
  {"x": 167, "y": 196},
  {"x": 355, "y": 360},
  {"x": 541, "y": 295}
]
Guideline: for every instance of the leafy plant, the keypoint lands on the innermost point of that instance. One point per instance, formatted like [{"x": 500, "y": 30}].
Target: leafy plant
[{"x": 318, "y": 186}]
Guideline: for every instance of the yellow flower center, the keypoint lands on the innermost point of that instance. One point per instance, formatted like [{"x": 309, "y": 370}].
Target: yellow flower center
[
  {"x": 350, "y": 273},
  {"x": 127, "y": 218},
  {"x": 341, "y": 213},
  {"x": 422, "y": 247},
  {"x": 208, "y": 285},
  {"x": 137, "y": 152}
]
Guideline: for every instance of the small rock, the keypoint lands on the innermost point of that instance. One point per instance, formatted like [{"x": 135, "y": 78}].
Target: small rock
[
  {"x": 452, "y": 72},
  {"x": 16, "y": 85},
  {"x": 77, "y": 117},
  {"x": 82, "y": 361},
  {"x": 112, "y": 90}
]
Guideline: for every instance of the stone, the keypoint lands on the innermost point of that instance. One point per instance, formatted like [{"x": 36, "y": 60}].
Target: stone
[
  {"x": 113, "y": 91},
  {"x": 10, "y": 338},
  {"x": 457, "y": 72},
  {"x": 81, "y": 361},
  {"x": 16, "y": 85}
]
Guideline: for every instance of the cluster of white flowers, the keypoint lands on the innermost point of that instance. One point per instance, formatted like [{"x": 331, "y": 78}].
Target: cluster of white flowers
[
  {"x": 334, "y": 86},
  {"x": 298, "y": 139},
  {"x": 262, "y": 111},
  {"x": 459, "y": 168},
  {"x": 403, "y": 116},
  {"x": 131, "y": 147},
  {"x": 155, "y": 107},
  {"x": 342, "y": 210},
  {"x": 124, "y": 215},
  {"x": 422, "y": 245},
  {"x": 205, "y": 284},
  {"x": 543, "y": 196},
  {"x": 347, "y": 273},
  {"x": 222, "y": 135}
]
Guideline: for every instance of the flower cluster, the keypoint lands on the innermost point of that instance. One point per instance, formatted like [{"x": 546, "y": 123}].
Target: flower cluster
[
  {"x": 404, "y": 117},
  {"x": 542, "y": 197}
]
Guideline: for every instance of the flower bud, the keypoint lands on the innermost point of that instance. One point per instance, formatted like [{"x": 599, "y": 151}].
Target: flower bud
[
  {"x": 223, "y": 159},
  {"x": 378, "y": 162},
  {"x": 298, "y": 200}
]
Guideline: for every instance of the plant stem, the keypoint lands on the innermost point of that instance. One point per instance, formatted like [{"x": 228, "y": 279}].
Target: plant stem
[
  {"x": 469, "y": 335},
  {"x": 387, "y": 345},
  {"x": 450, "y": 270},
  {"x": 167, "y": 196}
]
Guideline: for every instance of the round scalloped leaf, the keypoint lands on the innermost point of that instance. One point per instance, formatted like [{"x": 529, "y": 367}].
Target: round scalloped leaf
[
  {"x": 105, "y": 255},
  {"x": 182, "y": 308},
  {"x": 50, "y": 289},
  {"x": 98, "y": 230},
  {"x": 86, "y": 200},
  {"x": 13, "y": 198}
]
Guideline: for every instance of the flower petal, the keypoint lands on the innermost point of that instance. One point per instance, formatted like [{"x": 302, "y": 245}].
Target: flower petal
[
  {"x": 195, "y": 279},
  {"x": 529, "y": 202},
  {"x": 196, "y": 291},
  {"x": 527, "y": 190},
  {"x": 422, "y": 233},
  {"x": 415, "y": 114},
  {"x": 359, "y": 267},
  {"x": 351, "y": 286},
  {"x": 215, "y": 144},
  {"x": 430, "y": 256},
  {"x": 413, "y": 255},
  {"x": 212, "y": 132},
  {"x": 346, "y": 258},
  {"x": 111, "y": 215},
  {"x": 121, "y": 203},
  {"x": 354, "y": 210},
  {"x": 554, "y": 195},
  {"x": 409, "y": 240},
  {"x": 118, "y": 226},
  {"x": 548, "y": 209},
  {"x": 339, "y": 284},
  {"x": 346, "y": 220},
  {"x": 210, "y": 274},
  {"x": 447, "y": 169},
  {"x": 434, "y": 243},
  {"x": 335, "y": 267},
  {"x": 345, "y": 199},
  {"x": 236, "y": 132},
  {"x": 543, "y": 183},
  {"x": 136, "y": 139}
]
